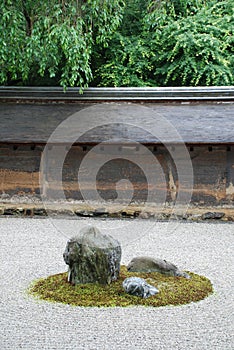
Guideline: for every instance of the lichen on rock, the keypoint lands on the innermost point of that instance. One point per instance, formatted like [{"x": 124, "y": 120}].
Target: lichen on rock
[{"x": 92, "y": 257}]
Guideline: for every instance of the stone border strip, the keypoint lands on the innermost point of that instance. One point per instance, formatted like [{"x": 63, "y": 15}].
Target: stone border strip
[{"x": 193, "y": 213}]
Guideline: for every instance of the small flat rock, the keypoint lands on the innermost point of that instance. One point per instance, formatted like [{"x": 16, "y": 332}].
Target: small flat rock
[
  {"x": 213, "y": 215},
  {"x": 148, "y": 264},
  {"x": 139, "y": 287}
]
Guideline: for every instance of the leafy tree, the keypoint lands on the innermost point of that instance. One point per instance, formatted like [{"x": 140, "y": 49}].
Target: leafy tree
[
  {"x": 192, "y": 47},
  {"x": 180, "y": 42},
  {"x": 126, "y": 63},
  {"x": 126, "y": 60},
  {"x": 117, "y": 42},
  {"x": 53, "y": 39}
]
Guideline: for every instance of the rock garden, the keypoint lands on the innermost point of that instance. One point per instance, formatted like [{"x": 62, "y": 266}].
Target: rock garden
[{"x": 96, "y": 278}]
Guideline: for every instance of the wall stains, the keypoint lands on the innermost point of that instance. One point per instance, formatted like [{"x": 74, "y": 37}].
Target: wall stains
[{"x": 213, "y": 174}]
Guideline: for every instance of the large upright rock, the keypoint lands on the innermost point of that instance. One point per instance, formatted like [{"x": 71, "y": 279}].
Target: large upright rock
[{"x": 92, "y": 257}]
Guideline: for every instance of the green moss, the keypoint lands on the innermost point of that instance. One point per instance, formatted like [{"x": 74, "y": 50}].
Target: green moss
[{"x": 172, "y": 290}]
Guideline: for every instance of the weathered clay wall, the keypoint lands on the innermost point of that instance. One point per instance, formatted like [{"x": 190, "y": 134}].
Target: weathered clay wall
[
  {"x": 19, "y": 168},
  {"x": 213, "y": 168}
]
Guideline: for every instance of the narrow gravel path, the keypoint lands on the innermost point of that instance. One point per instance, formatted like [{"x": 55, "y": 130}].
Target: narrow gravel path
[{"x": 33, "y": 248}]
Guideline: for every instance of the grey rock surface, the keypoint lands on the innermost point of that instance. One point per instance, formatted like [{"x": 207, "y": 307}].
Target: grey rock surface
[
  {"x": 92, "y": 257},
  {"x": 32, "y": 249},
  {"x": 148, "y": 264},
  {"x": 213, "y": 215},
  {"x": 139, "y": 287}
]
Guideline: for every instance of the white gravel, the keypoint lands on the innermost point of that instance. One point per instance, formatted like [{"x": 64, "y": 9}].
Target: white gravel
[{"x": 33, "y": 248}]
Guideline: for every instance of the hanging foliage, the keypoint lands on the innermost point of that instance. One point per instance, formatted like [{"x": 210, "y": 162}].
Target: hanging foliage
[
  {"x": 53, "y": 39},
  {"x": 116, "y": 42}
]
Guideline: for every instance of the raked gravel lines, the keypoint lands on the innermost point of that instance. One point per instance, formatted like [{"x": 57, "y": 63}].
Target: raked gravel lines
[{"x": 33, "y": 248}]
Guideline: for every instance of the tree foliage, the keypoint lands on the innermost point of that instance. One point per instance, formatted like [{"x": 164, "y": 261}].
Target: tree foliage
[
  {"x": 54, "y": 38},
  {"x": 117, "y": 42},
  {"x": 182, "y": 42},
  {"x": 193, "y": 47},
  {"x": 126, "y": 60}
]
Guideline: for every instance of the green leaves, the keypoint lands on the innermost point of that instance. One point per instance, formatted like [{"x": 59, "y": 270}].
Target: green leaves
[
  {"x": 105, "y": 17},
  {"x": 128, "y": 63},
  {"x": 116, "y": 42},
  {"x": 171, "y": 43},
  {"x": 195, "y": 50},
  {"x": 53, "y": 39}
]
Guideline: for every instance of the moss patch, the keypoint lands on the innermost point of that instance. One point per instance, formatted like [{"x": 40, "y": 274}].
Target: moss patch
[{"x": 172, "y": 290}]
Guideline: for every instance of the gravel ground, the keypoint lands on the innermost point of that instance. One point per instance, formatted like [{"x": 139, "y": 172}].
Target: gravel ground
[{"x": 32, "y": 248}]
